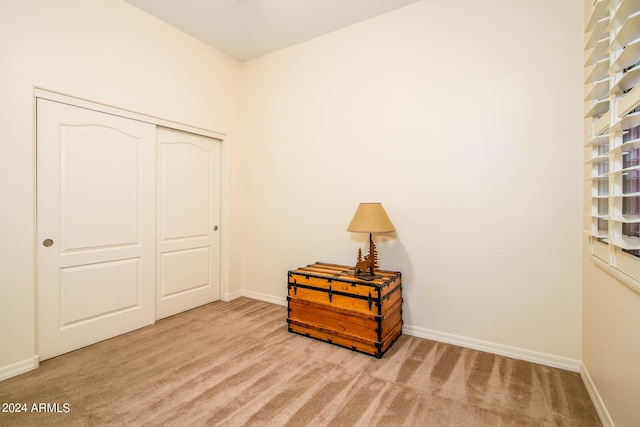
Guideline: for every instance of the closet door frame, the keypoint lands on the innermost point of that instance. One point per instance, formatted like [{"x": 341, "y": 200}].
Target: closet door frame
[{"x": 77, "y": 102}]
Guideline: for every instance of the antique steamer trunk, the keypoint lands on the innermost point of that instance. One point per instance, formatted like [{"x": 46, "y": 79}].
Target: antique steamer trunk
[{"x": 327, "y": 302}]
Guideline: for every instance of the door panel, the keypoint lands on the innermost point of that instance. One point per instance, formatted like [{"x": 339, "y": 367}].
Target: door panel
[
  {"x": 99, "y": 193},
  {"x": 186, "y": 187},
  {"x": 96, "y": 205},
  {"x": 111, "y": 287},
  {"x": 185, "y": 270},
  {"x": 188, "y": 264}
]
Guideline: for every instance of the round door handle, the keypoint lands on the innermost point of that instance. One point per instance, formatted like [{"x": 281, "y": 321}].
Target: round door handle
[
  {"x": 215, "y": 228},
  {"x": 47, "y": 243}
]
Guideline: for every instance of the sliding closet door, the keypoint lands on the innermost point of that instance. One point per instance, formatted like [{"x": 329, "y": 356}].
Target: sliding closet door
[
  {"x": 95, "y": 226},
  {"x": 188, "y": 219}
]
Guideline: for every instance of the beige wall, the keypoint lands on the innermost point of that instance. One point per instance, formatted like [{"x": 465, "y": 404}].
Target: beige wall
[
  {"x": 465, "y": 120},
  {"x": 109, "y": 52},
  {"x": 611, "y": 344}
]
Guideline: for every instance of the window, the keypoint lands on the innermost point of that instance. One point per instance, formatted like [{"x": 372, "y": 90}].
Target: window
[{"x": 612, "y": 149}]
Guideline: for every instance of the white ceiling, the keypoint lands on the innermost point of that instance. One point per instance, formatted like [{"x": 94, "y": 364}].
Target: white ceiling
[{"x": 246, "y": 29}]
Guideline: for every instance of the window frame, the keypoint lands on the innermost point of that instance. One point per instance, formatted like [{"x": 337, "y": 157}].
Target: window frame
[{"x": 612, "y": 110}]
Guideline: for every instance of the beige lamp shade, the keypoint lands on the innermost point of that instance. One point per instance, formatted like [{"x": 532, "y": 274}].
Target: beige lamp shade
[{"x": 370, "y": 218}]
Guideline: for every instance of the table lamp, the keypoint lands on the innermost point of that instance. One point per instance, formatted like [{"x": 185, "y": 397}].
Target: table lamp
[{"x": 369, "y": 218}]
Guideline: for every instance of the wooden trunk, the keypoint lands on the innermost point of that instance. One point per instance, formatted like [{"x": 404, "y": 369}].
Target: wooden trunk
[{"x": 329, "y": 303}]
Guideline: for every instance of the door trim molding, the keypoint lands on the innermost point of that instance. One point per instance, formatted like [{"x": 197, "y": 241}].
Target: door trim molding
[
  {"x": 158, "y": 121},
  {"x": 129, "y": 114}
]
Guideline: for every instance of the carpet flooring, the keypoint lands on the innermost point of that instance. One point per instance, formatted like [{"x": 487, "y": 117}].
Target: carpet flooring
[{"x": 235, "y": 364}]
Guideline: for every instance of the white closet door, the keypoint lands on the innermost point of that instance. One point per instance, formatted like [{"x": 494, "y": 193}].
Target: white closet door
[
  {"x": 95, "y": 226},
  {"x": 188, "y": 256}
]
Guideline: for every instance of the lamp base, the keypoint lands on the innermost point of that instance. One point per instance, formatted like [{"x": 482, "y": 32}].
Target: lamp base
[
  {"x": 365, "y": 267},
  {"x": 365, "y": 276}
]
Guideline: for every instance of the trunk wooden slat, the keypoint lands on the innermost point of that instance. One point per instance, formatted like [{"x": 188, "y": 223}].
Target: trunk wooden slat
[{"x": 329, "y": 303}]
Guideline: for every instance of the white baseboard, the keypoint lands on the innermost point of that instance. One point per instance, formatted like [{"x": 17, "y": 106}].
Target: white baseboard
[
  {"x": 503, "y": 350},
  {"x": 19, "y": 368},
  {"x": 265, "y": 297},
  {"x": 489, "y": 347},
  {"x": 595, "y": 397},
  {"x": 231, "y": 296}
]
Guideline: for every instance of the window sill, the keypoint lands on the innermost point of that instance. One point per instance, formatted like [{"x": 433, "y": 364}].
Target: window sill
[{"x": 628, "y": 281}]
